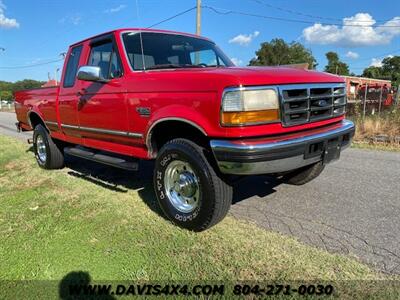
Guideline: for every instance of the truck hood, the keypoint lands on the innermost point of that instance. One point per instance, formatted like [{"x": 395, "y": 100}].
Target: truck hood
[
  {"x": 217, "y": 79},
  {"x": 271, "y": 75}
]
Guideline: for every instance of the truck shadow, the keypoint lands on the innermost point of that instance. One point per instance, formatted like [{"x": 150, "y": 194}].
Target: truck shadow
[
  {"x": 254, "y": 186},
  {"x": 122, "y": 181},
  {"x": 117, "y": 180}
]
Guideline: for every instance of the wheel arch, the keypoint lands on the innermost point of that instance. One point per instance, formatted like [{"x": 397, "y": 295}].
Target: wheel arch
[
  {"x": 172, "y": 127},
  {"x": 34, "y": 118}
]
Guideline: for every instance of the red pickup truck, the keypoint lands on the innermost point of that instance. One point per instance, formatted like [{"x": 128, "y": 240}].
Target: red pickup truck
[{"x": 177, "y": 98}]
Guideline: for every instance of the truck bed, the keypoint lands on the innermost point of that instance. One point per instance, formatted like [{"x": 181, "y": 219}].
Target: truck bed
[{"x": 42, "y": 98}]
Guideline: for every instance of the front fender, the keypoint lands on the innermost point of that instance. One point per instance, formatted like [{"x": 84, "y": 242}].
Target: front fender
[{"x": 178, "y": 113}]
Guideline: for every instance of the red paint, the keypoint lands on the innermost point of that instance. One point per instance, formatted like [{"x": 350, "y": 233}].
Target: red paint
[{"x": 193, "y": 95}]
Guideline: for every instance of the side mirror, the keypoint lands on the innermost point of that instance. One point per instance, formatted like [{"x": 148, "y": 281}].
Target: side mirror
[{"x": 90, "y": 73}]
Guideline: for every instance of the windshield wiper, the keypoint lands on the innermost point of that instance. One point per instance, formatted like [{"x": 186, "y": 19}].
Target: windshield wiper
[
  {"x": 174, "y": 66},
  {"x": 164, "y": 66},
  {"x": 214, "y": 66}
]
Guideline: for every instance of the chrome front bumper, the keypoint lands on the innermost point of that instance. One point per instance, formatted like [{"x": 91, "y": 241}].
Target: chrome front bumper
[{"x": 282, "y": 153}]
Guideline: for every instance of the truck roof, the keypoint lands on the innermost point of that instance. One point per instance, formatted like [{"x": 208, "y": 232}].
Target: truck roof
[{"x": 117, "y": 31}]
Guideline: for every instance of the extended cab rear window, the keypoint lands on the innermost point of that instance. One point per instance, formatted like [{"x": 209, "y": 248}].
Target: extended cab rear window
[
  {"x": 72, "y": 66},
  {"x": 162, "y": 51}
]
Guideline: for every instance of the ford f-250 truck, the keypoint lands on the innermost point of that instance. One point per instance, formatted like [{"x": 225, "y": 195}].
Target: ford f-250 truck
[{"x": 177, "y": 98}]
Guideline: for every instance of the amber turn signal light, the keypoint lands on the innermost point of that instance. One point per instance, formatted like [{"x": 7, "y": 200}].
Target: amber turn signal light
[{"x": 250, "y": 117}]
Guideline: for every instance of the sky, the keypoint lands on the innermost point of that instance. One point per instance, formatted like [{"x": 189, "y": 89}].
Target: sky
[{"x": 33, "y": 32}]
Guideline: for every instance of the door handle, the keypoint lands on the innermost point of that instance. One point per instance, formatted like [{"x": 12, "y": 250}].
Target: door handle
[{"x": 81, "y": 92}]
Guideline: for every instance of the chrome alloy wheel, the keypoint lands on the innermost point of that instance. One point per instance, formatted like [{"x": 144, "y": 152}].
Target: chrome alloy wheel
[
  {"x": 41, "y": 148},
  {"x": 182, "y": 186}
]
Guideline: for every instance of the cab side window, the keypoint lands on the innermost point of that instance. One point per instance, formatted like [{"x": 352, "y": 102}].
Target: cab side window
[
  {"x": 72, "y": 67},
  {"x": 106, "y": 57}
]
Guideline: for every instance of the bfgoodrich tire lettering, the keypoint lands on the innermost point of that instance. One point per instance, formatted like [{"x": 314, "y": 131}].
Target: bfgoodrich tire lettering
[{"x": 214, "y": 197}]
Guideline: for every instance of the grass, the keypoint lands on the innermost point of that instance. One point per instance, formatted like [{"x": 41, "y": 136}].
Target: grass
[
  {"x": 52, "y": 224},
  {"x": 387, "y": 124},
  {"x": 375, "y": 146}
]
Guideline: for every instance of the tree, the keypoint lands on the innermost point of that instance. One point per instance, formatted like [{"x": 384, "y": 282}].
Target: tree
[
  {"x": 390, "y": 70},
  {"x": 335, "y": 66},
  {"x": 8, "y": 88},
  {"x": 26, "y": 84},
  {"x": 278, "y": 52},
  {"x": 374, "y": 72},
  {"x": 5, "y": 86},
  {"x": 6, "y": 95}
]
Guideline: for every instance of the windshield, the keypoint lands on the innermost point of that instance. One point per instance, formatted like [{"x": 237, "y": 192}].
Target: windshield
[{"x": 169, "y": 51}]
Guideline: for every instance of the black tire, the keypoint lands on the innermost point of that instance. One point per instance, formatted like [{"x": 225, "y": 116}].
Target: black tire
[
  {"x": 303, "y": 175},
  {"x": 54, "y": 158},
  {"x": 215, "y": 195},
  {"x": 60, "y": 144}
]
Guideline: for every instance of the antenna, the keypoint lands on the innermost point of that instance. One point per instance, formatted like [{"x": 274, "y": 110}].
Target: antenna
[{"x": 140, "y": 35}]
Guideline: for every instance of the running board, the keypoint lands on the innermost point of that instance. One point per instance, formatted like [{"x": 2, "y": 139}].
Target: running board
[{"x": 106, "y": 158}]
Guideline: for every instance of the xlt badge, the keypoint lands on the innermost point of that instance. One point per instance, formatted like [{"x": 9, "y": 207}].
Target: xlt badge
[{"x": 143, "y": 111}]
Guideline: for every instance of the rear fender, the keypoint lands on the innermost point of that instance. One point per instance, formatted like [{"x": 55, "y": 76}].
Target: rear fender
[{"x": 35, "y": 113}]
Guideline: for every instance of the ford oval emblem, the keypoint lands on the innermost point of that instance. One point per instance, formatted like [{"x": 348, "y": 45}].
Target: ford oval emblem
[{"x": 322, "y": 103}]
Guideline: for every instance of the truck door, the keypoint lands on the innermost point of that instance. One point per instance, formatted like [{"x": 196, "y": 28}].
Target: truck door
[
  {"x": 68, "y": 100},
  {"x": 102, "y": 108}
]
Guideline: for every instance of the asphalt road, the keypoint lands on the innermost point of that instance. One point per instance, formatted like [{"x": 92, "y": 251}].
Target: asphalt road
[
  {"x": 353, "y": 208},
  {"x": 7, "y": 126}
]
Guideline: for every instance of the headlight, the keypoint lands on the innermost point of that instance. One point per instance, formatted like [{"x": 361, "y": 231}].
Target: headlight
[{"x": 243, "y": 106}]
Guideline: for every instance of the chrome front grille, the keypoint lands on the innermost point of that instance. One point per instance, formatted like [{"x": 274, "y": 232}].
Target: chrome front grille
[{"x": 306, "y": 103}]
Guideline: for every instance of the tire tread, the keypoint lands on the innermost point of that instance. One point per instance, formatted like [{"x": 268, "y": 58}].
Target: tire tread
[
  {"x": 304, "y": 175},
  {"x": 55, "y": 157},
  {"x": 223, "y": 191}
]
